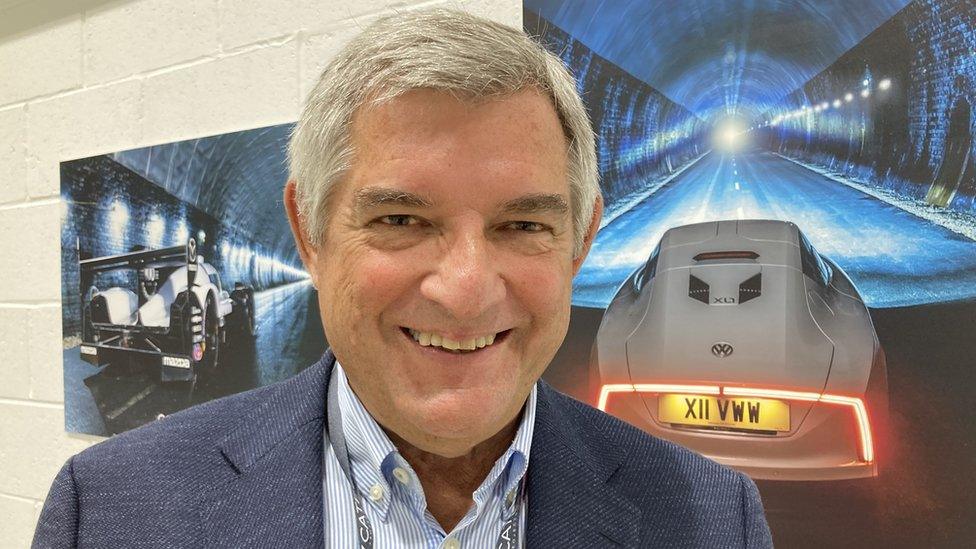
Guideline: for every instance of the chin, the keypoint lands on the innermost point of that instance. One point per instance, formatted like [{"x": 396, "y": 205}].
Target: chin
[{"x": 466, "y": 420}]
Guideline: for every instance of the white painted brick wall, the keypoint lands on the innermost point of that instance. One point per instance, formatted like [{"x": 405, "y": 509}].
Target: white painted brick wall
[{"x": 113, "y": 75}]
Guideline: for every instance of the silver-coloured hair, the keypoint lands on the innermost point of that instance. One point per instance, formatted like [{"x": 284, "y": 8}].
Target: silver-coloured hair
[{"x": 468, "y": 56}]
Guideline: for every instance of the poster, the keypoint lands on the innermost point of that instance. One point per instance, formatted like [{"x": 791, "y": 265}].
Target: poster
[
  {"x": 785, "y": 275},
  {"x": 139, "y": 228}
]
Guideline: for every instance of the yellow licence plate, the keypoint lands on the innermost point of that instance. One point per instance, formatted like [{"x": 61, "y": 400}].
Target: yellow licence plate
[{"x": 757, "y": 414}]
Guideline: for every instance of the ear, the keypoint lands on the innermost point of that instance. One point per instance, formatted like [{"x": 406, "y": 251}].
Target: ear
[
  {"x": 299, "y": 230},
  {"x": 590, "y": 232}
]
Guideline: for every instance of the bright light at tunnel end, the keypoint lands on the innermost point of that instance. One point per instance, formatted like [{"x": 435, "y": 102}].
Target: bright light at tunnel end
[{"x": 729, "y": 135}]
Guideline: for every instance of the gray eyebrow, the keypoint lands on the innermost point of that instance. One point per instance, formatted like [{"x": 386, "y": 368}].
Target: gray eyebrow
[
  {"x": 372, "y": 197},
  {"x": 535, "y": 203}
]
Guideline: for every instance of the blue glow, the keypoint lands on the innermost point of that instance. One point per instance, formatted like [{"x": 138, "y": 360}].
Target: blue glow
[
  {"x": 895, "y": 259},
  {"x": 719, "y": 57}
]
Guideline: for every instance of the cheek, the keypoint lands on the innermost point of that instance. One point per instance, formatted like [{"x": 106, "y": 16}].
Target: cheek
[
  {"x": 361, "y": 283},
  {"x": 542, "y": 285}
]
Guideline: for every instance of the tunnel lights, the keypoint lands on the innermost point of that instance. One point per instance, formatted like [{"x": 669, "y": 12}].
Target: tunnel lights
[
  {"x": 824, "y": 106},
  {"x": 865, "y": 92},
  {"x": 848, "y": 97},
  {"x": 884, "y": 84},
  {"x": 836, "y": 103},
  {"x": 118, "y": 216},
  {"x": 818, "y": 108},
  {"x": 201, "y": 236},
  {"x": 155, "y": 229},
  {"x": 866, "y": 82},
  {"x": 181, "y": 233}
]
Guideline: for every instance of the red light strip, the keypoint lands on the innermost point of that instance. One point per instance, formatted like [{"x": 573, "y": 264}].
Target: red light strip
[
  {"x": 653, "y": 388},
  {"x": 856, "y": 404}
]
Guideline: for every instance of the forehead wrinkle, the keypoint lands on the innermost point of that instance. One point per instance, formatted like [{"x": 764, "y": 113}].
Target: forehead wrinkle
[
  {"x": 536, "y": 203},
  {"x": 372, "y": 197}
]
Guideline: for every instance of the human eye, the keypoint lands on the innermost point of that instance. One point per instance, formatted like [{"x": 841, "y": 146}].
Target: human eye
[
  {"x": 398, "y": 220},
  {"x": 528, "y": 226}
]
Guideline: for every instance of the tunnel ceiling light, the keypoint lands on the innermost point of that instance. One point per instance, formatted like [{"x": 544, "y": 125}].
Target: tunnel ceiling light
[
  {"x": 836, "y": 103},
  {"x": 156, "y": 228},
  {"x": 818, "y": 108},
  {"x": 825, "y": 105},
  {"x": 182, "y": 233},
  {"x": 865, "y": 92},
  {"x": 866, "y": 83},
  {"x": 849, "y": 97},
  {"x": 118, "y": 217},
  {"x": 884, "y": 84}
]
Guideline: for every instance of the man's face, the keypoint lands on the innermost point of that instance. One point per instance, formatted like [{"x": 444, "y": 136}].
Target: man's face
[{"x": 453, "y": 223}]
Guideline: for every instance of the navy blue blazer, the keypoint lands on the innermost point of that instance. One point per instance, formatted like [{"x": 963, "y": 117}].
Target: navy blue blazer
[{"x": 246, "y": 471}]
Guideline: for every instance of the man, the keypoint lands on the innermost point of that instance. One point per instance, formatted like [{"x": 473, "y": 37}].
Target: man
[{"x": 443, "y": 194}]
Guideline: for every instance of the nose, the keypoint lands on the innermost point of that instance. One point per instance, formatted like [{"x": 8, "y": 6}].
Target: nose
[{"x": 466, "y": 279}]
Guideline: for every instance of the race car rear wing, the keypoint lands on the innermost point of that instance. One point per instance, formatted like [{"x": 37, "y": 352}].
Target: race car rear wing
[{"x": 174, "y": 256}]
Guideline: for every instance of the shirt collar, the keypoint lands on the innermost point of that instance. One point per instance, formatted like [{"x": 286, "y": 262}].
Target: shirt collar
[{"x": 373, "y": 456}]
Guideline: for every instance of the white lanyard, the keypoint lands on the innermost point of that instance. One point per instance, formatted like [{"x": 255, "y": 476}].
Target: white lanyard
[{"x": 508, "y": 538}]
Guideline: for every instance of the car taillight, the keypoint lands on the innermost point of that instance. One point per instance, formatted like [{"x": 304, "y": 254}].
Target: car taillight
[
  {"x": 856, "y": 404},
  {"x": 197, "y": 351},
  {"x": 653, "y": 388}
]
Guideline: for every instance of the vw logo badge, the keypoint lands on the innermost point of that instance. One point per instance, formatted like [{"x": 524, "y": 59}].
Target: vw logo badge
[{"x": 722, "y": 349}]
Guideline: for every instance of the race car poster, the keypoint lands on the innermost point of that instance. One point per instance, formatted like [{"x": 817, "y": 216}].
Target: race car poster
[
  {"x": 785, "y": 275},
  {"x": 180, "y": 279}
]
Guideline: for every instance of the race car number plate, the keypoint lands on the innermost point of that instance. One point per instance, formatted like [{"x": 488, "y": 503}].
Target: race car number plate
[{"x": 756, "y": 414}]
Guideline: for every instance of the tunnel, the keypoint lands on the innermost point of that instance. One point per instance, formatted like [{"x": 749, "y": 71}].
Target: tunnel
[
  {"x": 852, "y": 120},
  {"x": 782, "y": 110}
]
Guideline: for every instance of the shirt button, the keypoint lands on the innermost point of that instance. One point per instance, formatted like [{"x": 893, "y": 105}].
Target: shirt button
[
  {"x": 376, "y": 492},
  {"x": 510, "y": 497},
  {"x": 402, "y": 475},
  {"x": 452, "y": 543}
]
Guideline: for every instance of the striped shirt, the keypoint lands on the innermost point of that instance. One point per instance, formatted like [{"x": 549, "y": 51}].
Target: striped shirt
[{"x": 393, "y": 497}]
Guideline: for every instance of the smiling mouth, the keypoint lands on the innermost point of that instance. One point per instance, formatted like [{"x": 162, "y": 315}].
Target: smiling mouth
[{"x": 441, "y": 343}]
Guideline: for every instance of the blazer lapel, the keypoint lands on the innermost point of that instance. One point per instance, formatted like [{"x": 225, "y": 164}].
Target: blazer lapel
[
  {"x": 275, "y": 498},
  {"x": 570, "y": 503}
]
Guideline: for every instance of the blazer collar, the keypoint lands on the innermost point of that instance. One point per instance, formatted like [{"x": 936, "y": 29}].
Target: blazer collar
[
  {"x": 275, "y": 497},
  {"x": 571, "y": 503}
]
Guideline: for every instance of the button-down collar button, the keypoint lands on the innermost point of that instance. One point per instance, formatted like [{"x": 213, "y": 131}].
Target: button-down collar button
[
  {"x": 402, "y": 475},
  {"x": 452, "y": 543},
  {"x": 510, "y": 497},
  {"x": 376, "y": 492}
]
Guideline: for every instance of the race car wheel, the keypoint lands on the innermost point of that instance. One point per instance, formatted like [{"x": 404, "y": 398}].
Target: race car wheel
[
  {"x": 211, "y": 335},
  {"x": 243, "y": 314}
]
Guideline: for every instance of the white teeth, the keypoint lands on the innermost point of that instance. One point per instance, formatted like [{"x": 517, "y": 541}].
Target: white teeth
[{"x": 427, "y": 339}]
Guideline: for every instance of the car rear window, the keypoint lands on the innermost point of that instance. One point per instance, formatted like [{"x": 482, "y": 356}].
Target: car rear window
[
  {"x": 813, "y": 266},
  {"x": 648, "y": 271}
]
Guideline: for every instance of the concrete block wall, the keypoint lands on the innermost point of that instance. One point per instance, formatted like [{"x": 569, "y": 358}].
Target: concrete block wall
[{"x": 90, "y": 77}]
